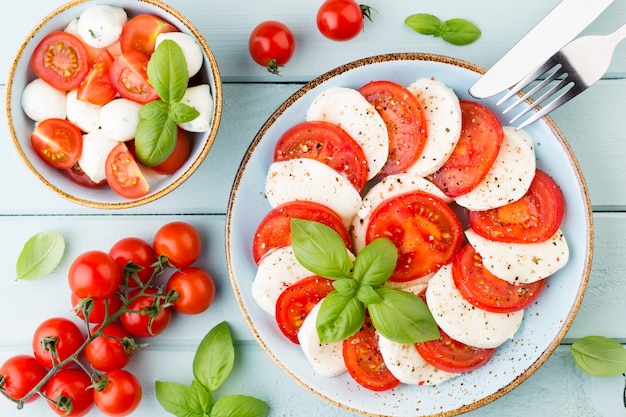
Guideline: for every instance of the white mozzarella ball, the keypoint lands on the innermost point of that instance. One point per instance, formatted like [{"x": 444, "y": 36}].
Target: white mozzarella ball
[
  {"x": 96, "y": 148},
  {"x": 190, "y": 47},
  {"x": 119, "y": 119},
  {"x": 101, "y": 25},
  {"x": 199, "y": 97},
  {"x": 41, "y": 101},
  {"x": 83, "y": 114}
]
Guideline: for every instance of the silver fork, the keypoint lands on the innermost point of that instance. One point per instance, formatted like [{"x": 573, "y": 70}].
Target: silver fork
[{"x": 572, "y": 70}]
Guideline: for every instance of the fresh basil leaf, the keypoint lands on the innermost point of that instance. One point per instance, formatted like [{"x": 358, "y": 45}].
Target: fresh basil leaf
[
  {"x": 203, "y": 399},
  {"x": 239, "y": 406},
  {"x": 182, "y": 113},
  {"x": 320, "y": 249},
  {"x": 376, "y": 262},
  {"x": 599, "y": 356},
  {"x": 403, "y": 317},
  {"x": 156, "y": 110},
  {"x": 214, "y": 358},
  {"x": 367, "y": 295},
  {"x": 346, "y": 286},
  {"x": 155, "y": 140},
  {"x": 339, "y": 317},
  {"x": 459, "y": 32},
  {"x": 167, "y": 71},
  {"x": 183, "y": 401},
  {"x": 40, "y": 255},
  {"x": 424, "y": 23}
]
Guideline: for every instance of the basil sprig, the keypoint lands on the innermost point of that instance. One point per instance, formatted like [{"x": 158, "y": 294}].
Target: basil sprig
[
  {"x": 456, "y": 31},
  {"x": 156, "y": 133},
  {"x": 599, "y": 356},
  {"x": 358, "y": 287}
]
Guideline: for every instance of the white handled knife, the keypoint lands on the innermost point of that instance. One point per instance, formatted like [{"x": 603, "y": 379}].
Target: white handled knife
[{"x": 558, "y": 28}]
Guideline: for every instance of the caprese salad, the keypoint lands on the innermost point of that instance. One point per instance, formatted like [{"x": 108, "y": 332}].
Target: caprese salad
[
  {"x": 475, "y": 223},
  {"x": 92, "y": 92}
]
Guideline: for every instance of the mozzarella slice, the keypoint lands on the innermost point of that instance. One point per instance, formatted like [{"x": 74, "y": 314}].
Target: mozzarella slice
[
  {"x": 190, "y": 47},
  {"x": 199, "y": 97},
  {"x": 348, "y": 108},
  {"x": 510, "y": 176},
  {"x": 119, "y": 119},
  {"x": 41, "y": 101},
  {"x": 464, "y": 322},
  {"x": 521, "y": 262},
  {"x": 326, "y": 359},
  {"x": 101, "y": 25},
  {"x": 408, "y": 366},
  {"x": 96, "y": 147},
  {"x": 443, "y": 121},
  {"x": 310, "y": 180},
  {"x": 85, "y": 115}
]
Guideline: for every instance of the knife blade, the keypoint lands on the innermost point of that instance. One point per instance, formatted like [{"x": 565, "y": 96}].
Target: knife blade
[{"x": 562, "y": 24}]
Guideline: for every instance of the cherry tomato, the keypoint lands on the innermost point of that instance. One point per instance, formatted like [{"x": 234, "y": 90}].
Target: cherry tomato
[
  {"x": 19, "y": 375},
  {"x": 55, "y": 340},
  {"x": 195, "y": 288},
  {"x": 147, "y": 315},
  {"x": 58, "y": 142},
  {"x": 534, "y": 218},
  {"x": 121, "y": 394},
  {"x": 137, "y": 251},
  {"x": 96, "y": 87},
  {"x": 98, "y": 307},
  {"x": 271, "y": 45},
  {"x": 327, "y": 143},
  {"x": 129, "y": 76},
  {"x": 179, "y": 155},
  {"x": 123, "y": 173},
  {"x": 180, "y": 242},
  {"x": 341, "y": 20},
  {"x": 111, "y": 350},
  {"x": 77, "y": 175},
  {"x": 61, "y": 60},
  {"x": 71, "y": 391},
  {"x": 140, "y": 33},
  {"x": 94, "y": 274}
]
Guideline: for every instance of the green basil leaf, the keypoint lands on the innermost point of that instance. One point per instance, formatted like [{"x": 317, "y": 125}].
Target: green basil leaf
[
  {"x": 239, "y": 406},
  {"x": 403, "y": 317},
  {"x": 599, "y": 356},
  {"x": 459, "y": 32},
  {"x": 182, "y": 113},
  {"x": 214, "y": 358},
  {"x": 203, "y": 399},
  {"x": 40, "y": 255},
  {"x": 339, "y": 317},
  {"x": 320, "y": 249},
  {"x": 367, "y": 295},
  {"x": 424, "y": 23},
  {"x": 156, "y": 110},
  {"x": 167, "y": 71},
  {"x": 376, "y": 262},
  {"x": 183, "y": 401},
  {"x": 346, "y": 286},
  {"x": 155, "y": 140}
]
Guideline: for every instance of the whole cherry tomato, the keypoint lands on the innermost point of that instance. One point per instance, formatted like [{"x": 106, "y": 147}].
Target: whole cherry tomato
[
  {"x": 71, "y": 392},
  {"x": 94, "y": 274},
  {"x": 120, "y": 395},
  {"x": 55, "y": 340},
  {"x": 271, "y": 45},
  {"x": 195, "y": 290},
  {"x": 19, "y": 375},
  {"x": 155, "y": 318},
  {"x": 111, "y": 350},
  {"x": 97, "y": 309},
  {"x": 341, "y": 20},
  {"x": 180, "y": 242},
  {"x": 137, "y": 251}
]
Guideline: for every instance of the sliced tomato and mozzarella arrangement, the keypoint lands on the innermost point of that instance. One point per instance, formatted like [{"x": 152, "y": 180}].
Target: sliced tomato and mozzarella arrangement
[
  {"x": 91, "y": 84},
  {"x": 476, "y": 224}
]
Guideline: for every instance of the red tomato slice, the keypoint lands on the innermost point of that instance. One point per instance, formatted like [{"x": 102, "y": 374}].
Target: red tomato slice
[
  {"x": 123, "y": 173},
  {"x": 485, "y": 290},
  {"x": 365, "y": 362},
  {"x": 274, "y": 231},
  {"x": 77, "y": 175},
  {"x": 58, "y": 142},
  {"x": 477, "y": 149},
  {"x": 405, "y": 120},
  {"x": 297, "y": 301},
  {"x": 96, "y": 87},
  {"x": 178, "y": 156},
  {"x": 534, "y": 218},
  {"x": 327, "y": 143},
  {"x": 129, "y": 76},
  {"x": 140, "y": 33},
  {"x": 425, "y": 230},
  {"x": 61, "y": 60}
]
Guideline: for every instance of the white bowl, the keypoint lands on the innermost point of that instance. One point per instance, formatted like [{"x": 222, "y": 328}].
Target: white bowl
[
  {"x": 21, "y": 126},
  {"x": 546, "y": 322}
]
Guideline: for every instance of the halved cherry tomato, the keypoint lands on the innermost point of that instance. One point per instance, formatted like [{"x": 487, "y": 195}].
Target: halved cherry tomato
[
  {"x": 473, "y": 156},
  {"x": 425, "y": 230},
  {"x": 405, "y": 120},
  {"x": 140, "y": 33},
  {"x": 96, "y": 87},
  {"x": 534, "y": 218},
  {"x": 365, "y": 362},
  {"x": 271, "y": 44},
  {"x": 58, "y": 142},
  {"x": 178, "y": 156},
  {"x": 61, "y": 60},
  {"x": 296, "y": 302},
  {"x": 123, "y": 173},
  {"x": 76, "y": 174},
  {"x": 129, "y": 76},
  {"x": 485, "y": 290},
  {"x": 327, "y": 143}
]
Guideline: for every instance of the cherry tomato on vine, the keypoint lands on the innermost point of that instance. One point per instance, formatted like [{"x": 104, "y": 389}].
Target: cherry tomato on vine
[
  {"x": 111, "y": 350},
  {"x": 341, "y": 20},
  {"x": 20, "y": 374},
  {"x": 71, "y": 391},
  {"x": 120, "y": 395},
  {"x": 55, "y": 340},
  {"x": 94, "y": 274},
  {"x": 271, "y": 44},
  {"x": 155, "y": 318},
  {"x": 180, "y": 242},
  {"x": 98, "y": 308},
  {"x": 195, "y": 288},
  {"x": 137, "y": 251}
]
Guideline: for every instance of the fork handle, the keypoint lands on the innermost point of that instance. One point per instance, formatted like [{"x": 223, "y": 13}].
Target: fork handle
[{"x": 618, "y": 36}]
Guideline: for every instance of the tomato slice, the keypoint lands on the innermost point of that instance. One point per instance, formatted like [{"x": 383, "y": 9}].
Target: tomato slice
[
  {"x": 534, "y": 218},
  {"x": 405, "y": 120},
  {"x": 365, "y": 362},
  {"x": 61, "y": 60},
  {"x": 58, "y": 142},
  {"x": 485, "y": 290},
  {"x": 297, "y": 301},
  {"x": 473, "y": 156},
  {"x": 129, "y": 76},
  {"x": 96, "y": 87},
  {"x": 76, "y": 174},
  {"x": 123, "y": 173},
  {"x": 178, "y": 156},
  {"x": 327, "y": 143},
  {"x": 140, "y": 33},
  {"x": 425, "y": 230}
]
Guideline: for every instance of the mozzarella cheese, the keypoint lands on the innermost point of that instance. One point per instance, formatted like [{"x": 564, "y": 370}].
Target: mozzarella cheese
[
  {"x": 101, "y": 25},
  {"x": 509, "y": 177},
  {"x": 199, "y": 97},
  {"x": 311, "y": 180},
  {"x": 464, "y": 322},
  {"x": 119, "y": 119},
  {"x": 443, "y": 124},
  {"x": 96, "y": 148},
  {"x": 41, "y": 101},
  {"x": 521, "y": 262},
  {"x": 190, "y": 47},
  {"x": 85, "y": 115},
  {"x": 348, "y": 109}
]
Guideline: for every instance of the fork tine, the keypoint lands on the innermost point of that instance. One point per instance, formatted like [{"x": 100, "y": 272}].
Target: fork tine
[
  {"x": 553, "y": 105},
  {"x": 558, "y": 71},
  {"x": 527, "y": 80},
  {"x": 561, "y": 85}
]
